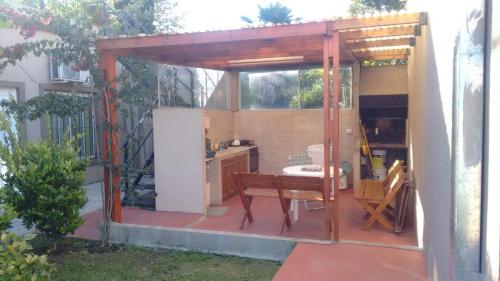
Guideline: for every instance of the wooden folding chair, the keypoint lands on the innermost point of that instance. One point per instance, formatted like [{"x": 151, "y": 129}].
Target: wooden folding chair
[
  {"x": 251, "y": 185},
  {"x": 376, "y": 195},
  {"x": 300, "y": 188}
]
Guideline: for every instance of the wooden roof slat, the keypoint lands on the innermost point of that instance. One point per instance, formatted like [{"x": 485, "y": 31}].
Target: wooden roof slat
[
  {"x": 385, "y": 57},
  {"x": 382, "y": 20},
  {"x": 378, "y": 43},
  {"x": 361, "y": 34},
  {"x": 375, "y": 53}
]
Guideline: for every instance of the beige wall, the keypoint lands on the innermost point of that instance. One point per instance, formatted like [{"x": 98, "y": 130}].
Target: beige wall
[
  {"x": 281, "y": 133},
  {"x": 221, "y": 125},
  {"x": 383, "y": 80},
  {"x": 431, "y": 69},
  {"x": 30, "y": 73},
  {"x": 180, "y": 160}
]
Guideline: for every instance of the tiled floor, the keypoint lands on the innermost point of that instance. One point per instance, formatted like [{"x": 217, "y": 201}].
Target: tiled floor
[
  {"x": 267, "y": 214},
  {"x": 345, "y": 262}
]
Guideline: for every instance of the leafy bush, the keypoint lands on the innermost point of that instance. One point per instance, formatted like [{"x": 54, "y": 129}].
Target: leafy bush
[
  {"x": 43, "y": 181},
  {"x": 18, "y": 263},
  {"x": 7, "y": 214}
]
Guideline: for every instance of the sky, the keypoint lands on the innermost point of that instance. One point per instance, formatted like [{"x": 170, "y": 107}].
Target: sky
[{"x": 202, "y": 15}]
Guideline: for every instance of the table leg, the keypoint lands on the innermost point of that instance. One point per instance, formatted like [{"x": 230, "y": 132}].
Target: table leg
[{"x": 295, "y": 209}]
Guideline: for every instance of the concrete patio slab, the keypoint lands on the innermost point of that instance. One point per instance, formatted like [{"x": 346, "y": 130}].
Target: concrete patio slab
[
  {"x": 216, "y": 242},
  {"x": 345, "y": 262}
]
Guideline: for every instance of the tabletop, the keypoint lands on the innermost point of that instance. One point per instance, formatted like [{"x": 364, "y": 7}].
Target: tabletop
[{"x": 298, "y": 171}]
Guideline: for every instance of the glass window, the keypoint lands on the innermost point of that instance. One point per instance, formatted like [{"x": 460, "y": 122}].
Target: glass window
[
  {"x": 81, "y": 126},
  {"x": 290, "y": 89},
  {"x": 193, "y": 87}
]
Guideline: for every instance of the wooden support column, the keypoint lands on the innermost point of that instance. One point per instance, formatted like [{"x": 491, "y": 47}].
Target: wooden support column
[
  {"x": 107, "y": 64},
  {"x": 326, "y": 135},
  {"x": 334, "y": 132}
]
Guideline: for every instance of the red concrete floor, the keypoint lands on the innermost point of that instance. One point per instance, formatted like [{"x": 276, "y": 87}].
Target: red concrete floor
[
  {"x": 267, "y": 215},
  {"x": 132, "y": 215},
  {"x": 345, "y": 262},
  {"x": 352, "y": 218}
]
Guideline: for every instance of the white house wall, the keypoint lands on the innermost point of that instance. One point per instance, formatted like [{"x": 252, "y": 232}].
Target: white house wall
[{"x": 30, "y": 73}]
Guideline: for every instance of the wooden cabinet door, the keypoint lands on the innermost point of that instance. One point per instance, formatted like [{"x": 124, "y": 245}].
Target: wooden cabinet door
[
  {"x": 227, "y": 170},
  {"x": 242, "y": 164},
  {"x": 228, "y": 167}
]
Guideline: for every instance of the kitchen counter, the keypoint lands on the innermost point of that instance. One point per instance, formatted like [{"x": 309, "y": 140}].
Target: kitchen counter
[
  {"x": 232, "y": 150},
  {"x": 220, "y": 168}
]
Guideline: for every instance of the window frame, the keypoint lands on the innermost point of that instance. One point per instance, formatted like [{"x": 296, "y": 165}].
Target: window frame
[
  {"x": 299, "y": 69},
  {"x": 43, "y": 88},
  {"x": 20, "y": 97}
]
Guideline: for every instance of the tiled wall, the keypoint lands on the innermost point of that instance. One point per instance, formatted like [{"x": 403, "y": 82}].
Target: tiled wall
[
  {"x": 221, "y": 125},
  {"x": 278, "y": 133}
]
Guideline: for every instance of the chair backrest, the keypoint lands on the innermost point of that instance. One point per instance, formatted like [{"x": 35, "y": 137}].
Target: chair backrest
[
  {"x": 299, "y": 159},
  {"x": 300, "y": 183},
  {"x": 395, "y": 168},
  {"x": 246, "y": 180},
  {"x": 394, "y": 181}
]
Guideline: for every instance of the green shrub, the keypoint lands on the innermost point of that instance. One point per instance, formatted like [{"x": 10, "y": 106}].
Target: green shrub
[
  {"x": 43, "y": 181},
  {"x": 18, "y": 263},
  {"x": 7, "y": 214}
]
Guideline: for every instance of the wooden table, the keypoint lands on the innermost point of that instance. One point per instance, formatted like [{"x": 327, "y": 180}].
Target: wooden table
[{"x": 298, "y": 171}]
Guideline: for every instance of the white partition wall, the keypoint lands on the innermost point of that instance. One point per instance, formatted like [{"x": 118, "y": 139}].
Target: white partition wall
[{"x": 179, "y": 139}]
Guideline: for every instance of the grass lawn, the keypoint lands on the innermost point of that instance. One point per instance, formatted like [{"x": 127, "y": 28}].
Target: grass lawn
[{"x": 78, "y": 259}]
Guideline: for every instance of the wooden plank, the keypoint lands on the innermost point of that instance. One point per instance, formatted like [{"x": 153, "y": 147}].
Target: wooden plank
[
  {"x": 232, "y": 57},
  {"x": 372, "y": 53},
  {"x": 382, "y": 20},
  {"x": 334, "y": 134},
  {"x": 240, "y": 47},
  {"x": 268, "y": 32},
  {"x": 326, "y": 132},
  {"x": 377, "y": 32},
  {"x": 108, "y": 65},
  {"x": 384, "y": 57},
  {"x": 262, "y": 192},
  {"x": 363, "y": 44}
]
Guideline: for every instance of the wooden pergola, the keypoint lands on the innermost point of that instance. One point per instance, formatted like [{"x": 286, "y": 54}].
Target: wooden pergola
[{"x": 328, "y": 43}]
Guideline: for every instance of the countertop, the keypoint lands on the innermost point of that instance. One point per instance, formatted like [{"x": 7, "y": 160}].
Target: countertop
[
  {"x": 229, "y": 151},
  {"x": 232, "y": 150}
]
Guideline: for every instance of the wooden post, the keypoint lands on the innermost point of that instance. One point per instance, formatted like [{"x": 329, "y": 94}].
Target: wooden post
[
  {"x": 326, "y": 133},
  {"x": 334, "y": 133},
  {"x": 108, "y": 66}
]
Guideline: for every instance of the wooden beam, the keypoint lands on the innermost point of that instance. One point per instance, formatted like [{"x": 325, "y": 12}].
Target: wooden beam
[
  {"x": 361, "y": 34},
  {"x": 378, "y": 21},
  {"x": 261, "y": 33},
  {"x": 303, "y": 42},
  {"x": 224, "y": 56},
  {"x": 326, "y": 134},
  {"x": 345, "y": 53},
  {"x": 334, "y": 133},
  {"x": 373, "y": 53},
  {"x": 363, "y": 44},
  {"x": 107, "y": 64},
  {"x": 384, "y": 57}
]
